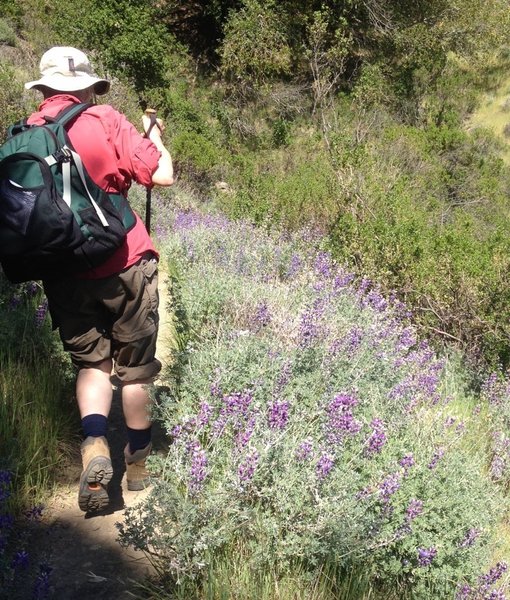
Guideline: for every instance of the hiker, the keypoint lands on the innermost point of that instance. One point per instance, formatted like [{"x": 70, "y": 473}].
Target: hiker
[{"x": 108, "y": 316}]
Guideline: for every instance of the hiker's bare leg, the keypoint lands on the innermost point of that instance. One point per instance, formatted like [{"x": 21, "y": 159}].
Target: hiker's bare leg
[
  {"x": 94, "y": 389},
  {"x": 136, "y": 404}
]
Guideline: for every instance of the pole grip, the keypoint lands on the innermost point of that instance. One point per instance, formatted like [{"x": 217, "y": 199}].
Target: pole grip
[{"x": 151, "y": 113}]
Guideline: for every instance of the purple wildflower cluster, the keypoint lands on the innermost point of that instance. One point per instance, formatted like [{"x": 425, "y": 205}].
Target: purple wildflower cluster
[
  {"x": 16, "y": 566},
  {"x": 389, "y": 486},
  {"x": 500, "y": 455},
  {"x": 41, "y": 312},
  {"x": 262, "y": 316},
  {"x": 406, "y": 463},
  {"x": 198, "y": 470},
  {"x": 310, "y": 328},
  {"x": 436, "y": 457},
  {"x": 484, "y": 589},
  {"x": 426, "y": 556},
  {"x": 496, "y": 389},
  {"x": 247, "y": 467},
  {"x": 304, "y": 450},
  {"x": 324, "y": 465},
  {"x": 377, "y": 438},
  {"x": 414, "y": 509},
  {"x": 278, "y": 415},
  {"x": 470, "y": 538},
  {"x": 340, "y": 418},
  {"x": 300, "y": 422}
]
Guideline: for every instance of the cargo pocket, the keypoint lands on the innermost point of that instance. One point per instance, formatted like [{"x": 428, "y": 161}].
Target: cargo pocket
[{"x": 149, "y": 268}]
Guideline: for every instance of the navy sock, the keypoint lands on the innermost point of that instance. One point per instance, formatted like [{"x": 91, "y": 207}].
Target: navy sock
[
  {"x": 138, "y": 438},
  {"x": 94, "y": 425}
]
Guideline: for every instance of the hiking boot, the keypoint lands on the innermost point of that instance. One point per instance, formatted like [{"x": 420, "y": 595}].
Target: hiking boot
[
  {"x": 138, "y": 478},
  {"x": 96, "y": 475}
]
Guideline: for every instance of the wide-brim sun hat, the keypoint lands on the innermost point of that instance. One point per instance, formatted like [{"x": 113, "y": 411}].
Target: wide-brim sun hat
[{"x": 67, "y": 69}]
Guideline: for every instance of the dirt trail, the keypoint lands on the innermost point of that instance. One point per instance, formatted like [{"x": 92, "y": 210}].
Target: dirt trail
[{"x": 87, "y": 561}]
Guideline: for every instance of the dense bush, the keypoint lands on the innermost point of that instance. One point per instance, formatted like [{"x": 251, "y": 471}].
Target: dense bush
[{"x": 312, "y": 427}]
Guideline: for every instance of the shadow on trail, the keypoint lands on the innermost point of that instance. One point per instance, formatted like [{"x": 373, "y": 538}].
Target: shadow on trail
[{"x": 86, "y": 560}]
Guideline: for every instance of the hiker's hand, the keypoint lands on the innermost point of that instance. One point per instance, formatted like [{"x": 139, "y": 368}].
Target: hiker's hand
[{"x": 158, "y": 127}]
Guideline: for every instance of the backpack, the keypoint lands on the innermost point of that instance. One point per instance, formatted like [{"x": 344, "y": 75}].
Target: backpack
[{"x": 54, "y": 220}]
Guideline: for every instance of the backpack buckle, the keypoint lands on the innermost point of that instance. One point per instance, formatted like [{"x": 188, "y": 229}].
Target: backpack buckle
[{"x": 62, "y": 155}]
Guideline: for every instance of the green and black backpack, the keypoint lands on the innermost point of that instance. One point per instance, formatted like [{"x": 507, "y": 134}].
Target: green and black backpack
[{"x": 54, "y": 220}]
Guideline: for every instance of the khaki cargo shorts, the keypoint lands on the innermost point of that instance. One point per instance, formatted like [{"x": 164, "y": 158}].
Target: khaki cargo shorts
[{"x": 115, "y": 317}]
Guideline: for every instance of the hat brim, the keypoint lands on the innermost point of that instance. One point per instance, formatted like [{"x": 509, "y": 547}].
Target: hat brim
[{"x": 62, "y": 83}]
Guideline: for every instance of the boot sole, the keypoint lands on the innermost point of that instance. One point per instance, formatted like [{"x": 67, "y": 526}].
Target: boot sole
[{"x": 93, "y": 494}]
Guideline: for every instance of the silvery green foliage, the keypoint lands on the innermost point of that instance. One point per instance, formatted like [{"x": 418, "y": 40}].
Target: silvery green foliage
[{"x": 309, "y": 426}]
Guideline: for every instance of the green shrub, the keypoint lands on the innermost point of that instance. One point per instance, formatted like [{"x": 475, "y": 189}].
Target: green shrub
[
  {"x": 7, "y": 33},
  {"x": 254, "y": 48},
  {"x": 310, "y": 430}
]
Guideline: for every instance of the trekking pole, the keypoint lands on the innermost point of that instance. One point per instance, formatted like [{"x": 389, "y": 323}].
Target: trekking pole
[{"x": 151, "y": 113}]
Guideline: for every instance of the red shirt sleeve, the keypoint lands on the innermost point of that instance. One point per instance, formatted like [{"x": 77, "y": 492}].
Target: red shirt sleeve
[{"x": 137, "y": 156}]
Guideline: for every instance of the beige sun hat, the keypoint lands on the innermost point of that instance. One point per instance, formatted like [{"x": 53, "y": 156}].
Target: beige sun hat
[{"x": 67, "y": 70}]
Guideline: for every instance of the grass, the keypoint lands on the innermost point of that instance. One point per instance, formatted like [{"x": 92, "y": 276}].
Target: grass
[
  {"x": 35, "y": 425},
  {"x": 494, "y": 114}
]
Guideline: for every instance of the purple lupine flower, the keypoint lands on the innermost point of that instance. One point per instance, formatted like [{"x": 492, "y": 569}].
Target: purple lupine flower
[
  {"x": 491, "y": 389},
  {"x": 497, "y": 468},
  {"x": 278, "y": 415},
  {"x": 470, "y": 538},
  {"x": 304, "y": 450},
  {"x": 247, "y": 468},
  {"x": 342, "y": 280},
  {"x": 215, "y": 389},
  {"x": 341, "y": 421},
  {"x": 324, "y": 465},
  {"x": 309, "y": 329},
  {"x": 463, "y": 592},
  {"x": 283, "y": 378},
  {"x": 238, "y": 403},
  {"x": 262, "y": 315},
  {"x": 294, "y": 266},
  {"x": 414, "y": 509},
  {"x": 495, "y": 595},
  {"x": 20, "y": 561},
  {"x": 353, "y": 340},
  {"x": 323, "y": 264},
  {"x": 426, "y": 556},
  {"x": 40, "y": 313},
  {"x": 204, "y": 414},
  {"x": 32, "y": 288},
  {"x": 198, "y": 471},
  {"x": 493, "y": 574},
  {"x": 244, "y": 435},
  {"x": 406, "y": 463},
  {"x": 389, "y": 486},
  {"x": 375, "y": 300},
  {"x": 377, "y": 438},
  {"x": 449, "y": 422},
  {"x": 406, "y": 340},
  {"x": 176, "y": 432},
  {"x": 437, "y": 456}
]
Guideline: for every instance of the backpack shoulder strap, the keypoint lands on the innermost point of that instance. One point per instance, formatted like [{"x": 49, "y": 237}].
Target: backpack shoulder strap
[{"x": 69, "y": 113}]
